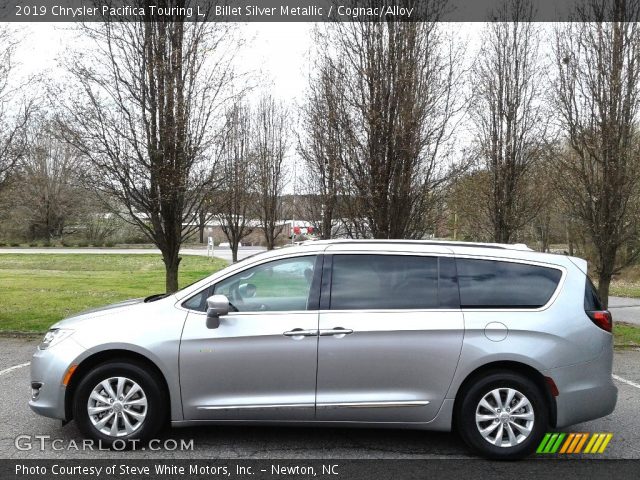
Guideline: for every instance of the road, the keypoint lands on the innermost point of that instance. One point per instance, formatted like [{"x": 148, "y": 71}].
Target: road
[
  {"x": 288, "y": 443},
  {"x": 625, "y": 309},
  {"x": 224, "y": 253}
]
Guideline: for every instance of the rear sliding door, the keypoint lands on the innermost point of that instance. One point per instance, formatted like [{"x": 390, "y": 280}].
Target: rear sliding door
[{"x": 390, "y": 337}]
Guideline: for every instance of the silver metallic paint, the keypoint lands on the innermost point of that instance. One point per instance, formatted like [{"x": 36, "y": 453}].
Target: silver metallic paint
[{"x": 391, "y": 357}]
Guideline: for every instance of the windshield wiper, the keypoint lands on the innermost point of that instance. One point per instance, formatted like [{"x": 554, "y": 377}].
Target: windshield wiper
[{"x": 157, "y": 296}]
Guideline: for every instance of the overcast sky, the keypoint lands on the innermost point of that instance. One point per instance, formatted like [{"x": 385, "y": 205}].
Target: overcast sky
[{"x": 280, "y": 52}]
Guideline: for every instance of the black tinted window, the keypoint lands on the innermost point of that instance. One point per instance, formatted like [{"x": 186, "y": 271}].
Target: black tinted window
[
  {"x": 384, "y": 282},
  {"x": 495, "y": 284},
  {"x": 591, "y": 300},
  {"x": 199, "y": 301}
]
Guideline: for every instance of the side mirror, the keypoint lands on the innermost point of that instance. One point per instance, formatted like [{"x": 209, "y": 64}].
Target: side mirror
[{"x": 217, "y": 306}]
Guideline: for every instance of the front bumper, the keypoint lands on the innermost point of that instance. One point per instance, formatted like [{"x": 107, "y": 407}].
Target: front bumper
[
  {"x": 48, "y": 368},
  {"x": 586, "y": 390}
]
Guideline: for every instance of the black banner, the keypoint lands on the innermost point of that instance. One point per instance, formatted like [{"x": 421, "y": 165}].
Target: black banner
[
  {"x": 309, "y": 10},
  {"x": 322, "y": 469}
]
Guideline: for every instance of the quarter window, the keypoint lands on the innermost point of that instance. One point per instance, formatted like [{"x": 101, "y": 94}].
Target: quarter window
[
  {"x": 498, "y": 284},
  {"x": 384, "y": 282},
  {"x": 199, "y": 301}
]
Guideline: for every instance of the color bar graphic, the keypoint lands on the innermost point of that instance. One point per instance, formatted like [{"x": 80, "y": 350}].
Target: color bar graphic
[{"x": 573, "y": 443}]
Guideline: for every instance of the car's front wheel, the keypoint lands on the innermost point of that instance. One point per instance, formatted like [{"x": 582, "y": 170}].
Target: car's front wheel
[
  {"x": 503, "y": 415},
  {"x": 119, "y": 402}
]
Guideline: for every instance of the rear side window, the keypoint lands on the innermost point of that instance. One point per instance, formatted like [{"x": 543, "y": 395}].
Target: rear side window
[
  {"x": 498, "y": 284},
  {"x": 592, "y": 302},
  {"x": 384, "y": 282}
]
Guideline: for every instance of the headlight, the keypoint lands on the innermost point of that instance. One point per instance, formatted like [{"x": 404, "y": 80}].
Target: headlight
[{"x": 53, "y": 336}]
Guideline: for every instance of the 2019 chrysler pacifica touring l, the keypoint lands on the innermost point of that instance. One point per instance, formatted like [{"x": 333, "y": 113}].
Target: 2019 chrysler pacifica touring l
[{"x": 495, "y": 341}]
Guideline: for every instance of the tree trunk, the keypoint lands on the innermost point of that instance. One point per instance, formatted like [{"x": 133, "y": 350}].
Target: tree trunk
[
  {"x": 604, "y": 282},
  {"x": 327, "y": 224},
  {"x": 234, "y": 251},
  {"x": 201, "y": 228},
  {"x": 171, "y": 262},
  {"x": 270, "y": 238}
]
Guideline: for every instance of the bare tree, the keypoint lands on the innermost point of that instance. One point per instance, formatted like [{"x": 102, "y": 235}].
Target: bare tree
[
  {"x": 468, "y": 220},
  {"x": 508, "y": 115},
  {"x": 597, "y": 98},
  {"x": 270, "y": 147},
  {"x": 47, "y": 197},
  {"x": 397, "y": 85},
  {"x": 14, "y": 110},
  {"x": 146, "y": 117},
  {"x": 233, "y": 207},
  {"x": 321, "y": 146}
]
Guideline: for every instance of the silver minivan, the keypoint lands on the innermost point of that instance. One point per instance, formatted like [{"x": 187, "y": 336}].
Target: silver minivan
[{"x": 495, "y": 341}]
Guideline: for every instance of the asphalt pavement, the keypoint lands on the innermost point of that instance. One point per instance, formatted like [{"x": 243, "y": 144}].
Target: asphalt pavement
[
  {"x": 287, "y": 443},
  {"x": 625, "y": 309},
  {"x": 220, "y": 252}
]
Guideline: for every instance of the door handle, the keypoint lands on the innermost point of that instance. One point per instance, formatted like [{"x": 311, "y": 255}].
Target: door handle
[
  {"x": 335, "y": 331},
  {"x": 299, "y": 332}
]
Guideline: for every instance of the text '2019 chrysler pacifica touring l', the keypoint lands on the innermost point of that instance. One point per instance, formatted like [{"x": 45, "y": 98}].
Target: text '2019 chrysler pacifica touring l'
[{"x": 495, "y": 341}]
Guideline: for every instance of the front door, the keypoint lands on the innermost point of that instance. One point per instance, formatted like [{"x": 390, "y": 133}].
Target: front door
[
  {"x": 260, "y": 363},
  {"x": 390, "y": 337}
]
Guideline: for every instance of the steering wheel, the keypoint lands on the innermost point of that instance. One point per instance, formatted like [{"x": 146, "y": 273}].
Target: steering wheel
[{"x": 234, "y": 294}]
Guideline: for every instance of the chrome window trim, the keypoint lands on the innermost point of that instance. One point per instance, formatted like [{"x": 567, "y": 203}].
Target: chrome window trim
[{"x": 549, "y": 303}]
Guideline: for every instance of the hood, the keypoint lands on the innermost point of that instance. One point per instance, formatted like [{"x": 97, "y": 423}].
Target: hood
[{"x": 81, "y": 317}]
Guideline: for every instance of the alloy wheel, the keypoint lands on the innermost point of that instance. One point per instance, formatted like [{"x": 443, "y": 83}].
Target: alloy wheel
[
  {"x": 117, "y": 406},
  {"x": 505, "y": 417}
]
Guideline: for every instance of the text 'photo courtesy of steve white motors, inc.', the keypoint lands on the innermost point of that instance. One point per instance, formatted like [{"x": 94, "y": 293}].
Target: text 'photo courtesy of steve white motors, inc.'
[
  {"x": 355, "y": 239},
  {"x": 168, "y": 469}
]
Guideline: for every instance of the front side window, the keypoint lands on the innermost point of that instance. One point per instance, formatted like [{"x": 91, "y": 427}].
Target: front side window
[
  {"x": 384, "y": 282},
  {"x": 498, "y": 284},
  {"x": 281, "y": 285}
]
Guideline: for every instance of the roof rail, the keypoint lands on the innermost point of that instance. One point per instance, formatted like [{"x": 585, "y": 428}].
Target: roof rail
[{"x": 443, "y": 243}]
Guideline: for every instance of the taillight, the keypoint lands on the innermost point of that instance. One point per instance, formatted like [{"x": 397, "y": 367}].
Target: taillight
[{"x": 602, "y": 318}]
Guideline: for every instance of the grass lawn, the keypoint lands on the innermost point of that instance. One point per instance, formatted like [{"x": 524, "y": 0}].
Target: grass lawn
[
  {"x": 627, "y": 284},
  {"x": 38, "y": 290},
  {"x": 621, "y": 288},
  {"x": 625, "y": 335}
]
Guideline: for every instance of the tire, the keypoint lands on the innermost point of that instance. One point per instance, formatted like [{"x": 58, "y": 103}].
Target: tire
[
  {"x": 141, "y": 410},
  {"x": 479, "y": 409}
]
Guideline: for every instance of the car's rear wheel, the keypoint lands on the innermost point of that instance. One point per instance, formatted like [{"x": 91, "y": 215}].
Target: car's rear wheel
[
  {"x": 119, "y": 402},
  {"x": 503, "y": 415}
]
